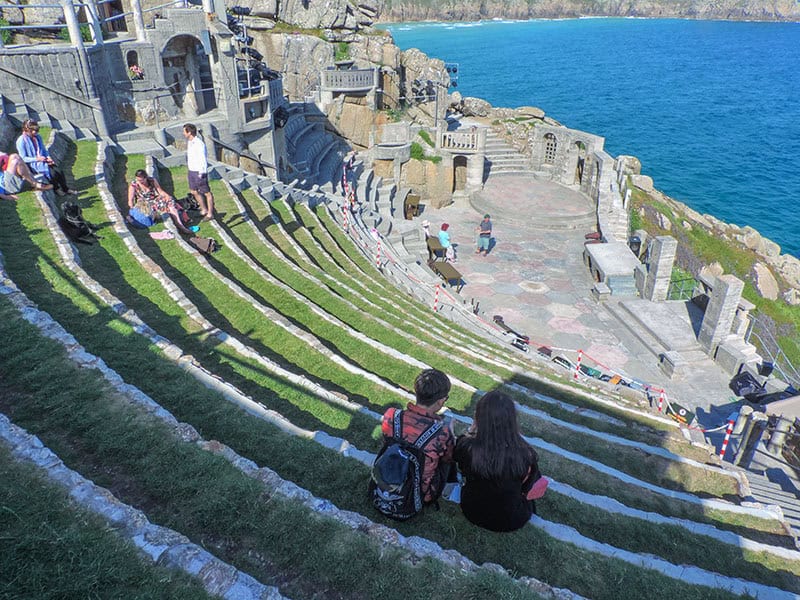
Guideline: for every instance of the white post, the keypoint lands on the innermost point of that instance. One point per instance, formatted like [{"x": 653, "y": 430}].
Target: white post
[
  {"x": 73, "y": 26},
  {"x": 94, "y": 22},
  {"x": 138, "y": 20}
]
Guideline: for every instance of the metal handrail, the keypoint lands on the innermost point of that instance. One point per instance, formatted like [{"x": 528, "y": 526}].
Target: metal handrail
[
  {"x": 680, "y": 286},
  {"x": 769, "y": 345}
]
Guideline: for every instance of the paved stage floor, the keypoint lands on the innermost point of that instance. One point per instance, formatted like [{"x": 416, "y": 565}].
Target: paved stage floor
[{"x": 535, "y": 278}]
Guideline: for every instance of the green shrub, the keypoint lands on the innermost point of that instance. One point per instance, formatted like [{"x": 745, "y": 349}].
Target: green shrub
[
  {"x": 6, "y": 35},
  {"x": 86, "y": 33},
  {"x": 342, "y": 51},
  {"x": 426, "y": 137},
  {"x": 418, "y": 153}
]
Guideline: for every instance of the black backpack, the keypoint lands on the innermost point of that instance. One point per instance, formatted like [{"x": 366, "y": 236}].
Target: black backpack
[{"x": 396, "y": 485}]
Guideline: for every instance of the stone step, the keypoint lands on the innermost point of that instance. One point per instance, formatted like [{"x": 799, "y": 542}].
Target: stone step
[
  {"x": 632, "y": 325},
  {"x": 684, "y": 348},
  {"x": 146, "y": 146}
]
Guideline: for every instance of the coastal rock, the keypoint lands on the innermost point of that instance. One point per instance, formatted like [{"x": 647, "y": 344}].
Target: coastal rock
[
  {"x": 768, "y": 248},
  {"x": 475, "y": 107},
  {"x": 299, "y": 57},
  {"x": 530, "y": 111},
  {"x": 792, "y": 297},
  {"x": 711, "y": 271},
  {"x": 643, "y": 182},
  {"x": 765, "y": 282},
  {"x": 789, "y": 268},
  {"x": 686, "y": 225},
  {"x": 664, "y": 222},
  {"x": 331, "y": 14},
  {"x": 749, "y": 237}
]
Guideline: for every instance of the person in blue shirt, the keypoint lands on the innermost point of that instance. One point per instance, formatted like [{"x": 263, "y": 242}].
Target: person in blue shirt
[
  {"x": 34, "y": 153},
  {"x": 444, "y": 240}
]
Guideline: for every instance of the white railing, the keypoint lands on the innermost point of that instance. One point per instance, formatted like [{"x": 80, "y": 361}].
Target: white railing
[
  {"x": 349, "y": 81},
  {"x": 465, "y": 142}
]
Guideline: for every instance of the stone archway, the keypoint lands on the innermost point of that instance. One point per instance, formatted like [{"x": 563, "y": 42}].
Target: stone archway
[
  {"x": 187, "y": 73},
  {"x": 580, "y": 163},
  {"x": 459, "y": 173}
]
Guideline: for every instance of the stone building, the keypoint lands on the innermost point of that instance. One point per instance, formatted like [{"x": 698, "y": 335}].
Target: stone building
[{"x": 146, "y": 74}]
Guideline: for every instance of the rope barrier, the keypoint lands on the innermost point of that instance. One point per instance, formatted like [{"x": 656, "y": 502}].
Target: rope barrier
[{"x": 356, "y": 234}]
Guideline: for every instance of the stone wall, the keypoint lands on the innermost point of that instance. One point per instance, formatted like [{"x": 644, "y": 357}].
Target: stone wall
[{"x": 56, "y": 67}]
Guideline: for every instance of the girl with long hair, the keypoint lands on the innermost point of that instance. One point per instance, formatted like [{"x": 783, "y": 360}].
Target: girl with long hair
[{"x": 500, "y": 468}]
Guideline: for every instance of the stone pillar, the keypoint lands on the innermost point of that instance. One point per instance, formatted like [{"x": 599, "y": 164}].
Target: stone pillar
[
  {"x": 741, "y": 420},
  {"x": 778, "y": 438},
  {"x": 138, "y": 20},
  {"x": 721, "y": 309},
  {"x": 659, "y": 271}
]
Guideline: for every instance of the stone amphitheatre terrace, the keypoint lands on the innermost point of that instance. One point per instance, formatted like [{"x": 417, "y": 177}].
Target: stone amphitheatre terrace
[{"x": 215, "y": 415}]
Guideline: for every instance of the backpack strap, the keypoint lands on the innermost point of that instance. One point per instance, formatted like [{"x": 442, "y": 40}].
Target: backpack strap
[{"x": 423, "y": 439}]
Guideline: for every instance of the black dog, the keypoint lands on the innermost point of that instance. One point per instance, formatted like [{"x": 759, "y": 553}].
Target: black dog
[{"x": 75, "y": 226}]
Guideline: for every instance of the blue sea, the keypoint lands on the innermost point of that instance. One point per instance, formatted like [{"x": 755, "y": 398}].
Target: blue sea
[{"x": 711, "y": 108}]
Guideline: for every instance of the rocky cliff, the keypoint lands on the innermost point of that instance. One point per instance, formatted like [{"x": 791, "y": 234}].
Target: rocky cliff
[{"x": 473, "y": 10}]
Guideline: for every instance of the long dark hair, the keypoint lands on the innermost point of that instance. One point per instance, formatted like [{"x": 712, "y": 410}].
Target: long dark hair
[{"x": 497, "y": 449}]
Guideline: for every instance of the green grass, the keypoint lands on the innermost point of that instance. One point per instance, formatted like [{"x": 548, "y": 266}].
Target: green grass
[
  {"x": 205, "y": 498},
  {"x": 197, "y": 493},
  {"x": 141, "y": 365},
  {"x": 50, "y": 548},
  {"x": 418, "y": 153},
  {"x": 707, "y": 247},
  {"x": 426, "y": 137}
]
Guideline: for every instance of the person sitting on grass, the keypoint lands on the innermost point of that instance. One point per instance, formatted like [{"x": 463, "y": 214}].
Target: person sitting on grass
[
  {"x": 147, "y": 201},
  {"x": 500, "y": 468},
  {"x": 432, "y": 389},
  {"x": 13, "y": 175},
  {"x": 33, "y": 151}
]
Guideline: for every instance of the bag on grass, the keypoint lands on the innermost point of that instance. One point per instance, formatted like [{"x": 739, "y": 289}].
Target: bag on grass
[
  {"x": 205, "y": 245},
  {"x": 188, "y": 202},
  {"x": 396, "y": 485}
]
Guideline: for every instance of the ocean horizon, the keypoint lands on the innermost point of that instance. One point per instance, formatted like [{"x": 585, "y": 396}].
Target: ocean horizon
[{"x": 710, "y": 108}]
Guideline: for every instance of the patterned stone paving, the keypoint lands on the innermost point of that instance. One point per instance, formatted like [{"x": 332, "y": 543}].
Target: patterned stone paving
[{"x": 535, "y": 278}]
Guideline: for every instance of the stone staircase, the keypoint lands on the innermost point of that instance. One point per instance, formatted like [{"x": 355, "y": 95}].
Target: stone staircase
[
  {"x": 502, "y": 158},
  {"x": 681, "y": 338},
  {"x": 782, "y": 492}
]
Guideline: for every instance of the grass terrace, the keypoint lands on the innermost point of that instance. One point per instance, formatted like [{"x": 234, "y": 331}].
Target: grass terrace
[{"x": 312, "y": 272}]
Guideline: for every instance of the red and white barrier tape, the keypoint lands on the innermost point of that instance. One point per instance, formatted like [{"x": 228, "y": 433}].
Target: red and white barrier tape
[
  {"x": 728, "y": 432},
  {"x": 436, "y": 298},
  {"x": 578, "y": 364}
]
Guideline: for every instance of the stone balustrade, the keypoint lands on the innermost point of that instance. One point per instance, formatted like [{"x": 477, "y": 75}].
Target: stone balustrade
[
  {"x": 355, "y": 80},
  {"x": 462, "y": 142}
]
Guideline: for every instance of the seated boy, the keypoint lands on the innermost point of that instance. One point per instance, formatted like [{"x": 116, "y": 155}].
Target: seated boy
[
  {"x": 432, "y": 389},
  {"x": 13, "y": 175}
]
